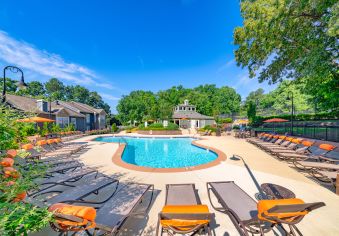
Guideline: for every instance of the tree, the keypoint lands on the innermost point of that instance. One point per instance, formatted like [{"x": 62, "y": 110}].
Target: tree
[
  {"x": 292, "y": 39},
  {"x": 137, "y": 106},
  {"x": 209, "y": 100},
  {"x": 251, "y": 111},
  {"x": 80, "y": 94},
  {"x": 55, "y": 89},
  {"x": 34, "y": 89},
  {"x": 11, "y": 86}
]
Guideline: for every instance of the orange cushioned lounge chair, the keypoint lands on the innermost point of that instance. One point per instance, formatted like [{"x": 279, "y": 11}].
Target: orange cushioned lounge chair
[
  {"x": 183, "y": 212},
  {"x": 110, "y": 215},
  {"x": 251, "y": 217}
]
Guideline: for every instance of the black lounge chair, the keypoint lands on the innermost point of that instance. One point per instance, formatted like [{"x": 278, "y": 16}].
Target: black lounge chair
[
  {"x": 243, "y": 210},
  {"x": 112, "y": 214},
  {"x": 185, "y": 197},
  {"x": 80, "y": 192},
  {"x": 66, "y": 179}
]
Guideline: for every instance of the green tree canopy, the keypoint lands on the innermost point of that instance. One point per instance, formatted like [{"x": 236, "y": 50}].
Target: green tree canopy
[
  {"x": 34, "y": 89},
  {"x": 277, "y": 102},
  {"x": 11, "y": 85},
  {"x": 292, "y": 39},
  {"x": 144, "y": 105},
  {"x": 55, "y": 89}
]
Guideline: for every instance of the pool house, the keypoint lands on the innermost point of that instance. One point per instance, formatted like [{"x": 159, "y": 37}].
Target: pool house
[{"x": 186, "y": 116}]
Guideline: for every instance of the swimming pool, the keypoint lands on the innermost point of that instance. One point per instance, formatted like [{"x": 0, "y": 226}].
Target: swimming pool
[{"x": 162, "y": 152}]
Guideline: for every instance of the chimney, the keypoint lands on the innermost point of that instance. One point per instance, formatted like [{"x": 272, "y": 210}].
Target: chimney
[
  {"x": 186, "y": 102},
  {"x": 42, "y": 105}
]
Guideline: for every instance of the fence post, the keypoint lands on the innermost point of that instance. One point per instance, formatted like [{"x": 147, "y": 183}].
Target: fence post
[{"x": 326, "y": 134}]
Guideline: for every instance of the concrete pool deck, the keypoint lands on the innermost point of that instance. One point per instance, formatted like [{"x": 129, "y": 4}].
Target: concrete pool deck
[{"x": 261, "y": 168}]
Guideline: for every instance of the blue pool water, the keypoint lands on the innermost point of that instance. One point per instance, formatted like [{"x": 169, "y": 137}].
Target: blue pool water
[{"x": 162, "y": 152}]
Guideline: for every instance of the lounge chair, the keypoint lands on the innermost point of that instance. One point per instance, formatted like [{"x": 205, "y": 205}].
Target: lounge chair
[
  {"x": 275, "y": 142},
  {"x": 328, "y": 177},
  {"x": 323, "y": 153},
  {"x": 289, "y": 146},
  {"x": 183, "y": 212},
  {"x": 80, "y": 192},
  {"x": 67, "y": 179},
  {"x": 110, "y": 215},
  {"x": 251, "y": 217},
  {"x": 278, "y": 141},
  {"x": 310, "y": 149}
]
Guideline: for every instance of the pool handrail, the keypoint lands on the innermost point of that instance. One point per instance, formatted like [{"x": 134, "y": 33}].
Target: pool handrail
[{"x": 122, "y": 138}]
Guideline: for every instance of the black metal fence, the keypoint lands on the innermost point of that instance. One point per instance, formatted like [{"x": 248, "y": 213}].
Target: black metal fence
[{"x": 328, "y": 130}]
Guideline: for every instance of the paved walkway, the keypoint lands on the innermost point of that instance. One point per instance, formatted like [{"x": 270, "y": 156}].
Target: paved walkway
[{"x": 261, "y": 168}]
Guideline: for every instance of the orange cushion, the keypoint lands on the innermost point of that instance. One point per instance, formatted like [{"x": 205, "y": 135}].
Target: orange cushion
[
  {"x": 41, "y": 142},
  {"x": 19, "y": 197},
  {"x": 88, "y": 214},
  {"x": 264, "y": 205},
  {"x": 50, "y": 141},
  {"x": 307, "y": 143},
  {"x": 327, "y": 147},
  {"x": 27, "y": 146},
  {"x": 7, "y": 162},
  {"x": 11, "y": 153},
  {"x": 289, "y": 138},
  {"x": 10, "y": 172},
  {"x": 276, "y": 136},
  {"x": 295, "y": 140},
  {"x": 282, "y": 137},
  {"x": 57, "y": 140},
  {"x": 184, "y": 224}
]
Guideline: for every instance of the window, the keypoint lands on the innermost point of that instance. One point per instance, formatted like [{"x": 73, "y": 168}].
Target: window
[
  {"x": 88, "y": 118},
  {"x": 102, "y": 120},
  {"x": 74, "y": 122},
  {"x": 62, "y": 121}
]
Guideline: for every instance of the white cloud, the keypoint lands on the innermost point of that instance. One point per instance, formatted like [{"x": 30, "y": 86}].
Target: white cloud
[
  {"x": 109, "y": 97},
  {"x": 243, "y": 80},
  {"x": 226, "y": 66},
  {"x": 27, "y": 56}
]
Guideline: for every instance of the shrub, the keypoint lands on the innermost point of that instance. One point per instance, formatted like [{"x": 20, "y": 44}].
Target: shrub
[
  {"x": 227, "y": 120},
  {"x": 17, "y": 217},
  {"x": 114, "y": 128},
  {"x": 44, "y": 131},
  {"x": 236, "y": 127},
  {"x": 159, "y": 126},
  {"x": 209, "y": 127},
  {"x": 156, "y": 125},
  {"x": 172, "y": 126},
  {"x": 55, "y": 128}
]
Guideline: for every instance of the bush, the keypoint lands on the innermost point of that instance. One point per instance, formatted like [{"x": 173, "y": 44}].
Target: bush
[
  {"x": 97, "y": 131},
  {"x": 114, "y": 128},
  {"x": 159, "y": 126},
  {"x": 55, "y": 128},
  {"x": 172, "y": 126},
  {"x": 236, "y": 127},
  {"x": 156, "y": 125},
  {"x": 209, "y": 127},
  {"x": 17, "y": 217},
  {"x": 227, "y": 120}
]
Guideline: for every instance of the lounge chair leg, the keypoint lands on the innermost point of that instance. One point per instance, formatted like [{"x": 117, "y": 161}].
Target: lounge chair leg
[
  {"x": 293, "y": 227},
  {"x": 158, "y": 226}
]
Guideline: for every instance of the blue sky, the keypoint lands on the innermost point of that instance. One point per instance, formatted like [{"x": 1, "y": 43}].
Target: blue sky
[{"x": 114, "y": 47}]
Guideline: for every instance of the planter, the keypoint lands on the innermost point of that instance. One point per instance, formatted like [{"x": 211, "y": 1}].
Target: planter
[{"x": 160, "y": 132}]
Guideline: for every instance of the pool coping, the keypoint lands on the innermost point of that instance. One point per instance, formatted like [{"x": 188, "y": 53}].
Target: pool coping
[{"x": 117, "y": 159}]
